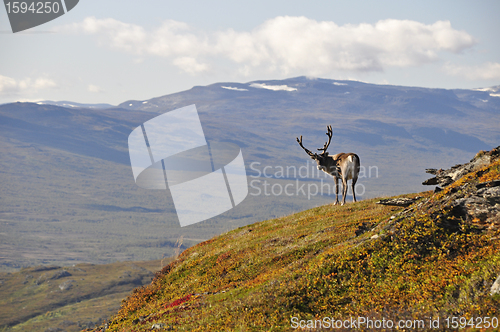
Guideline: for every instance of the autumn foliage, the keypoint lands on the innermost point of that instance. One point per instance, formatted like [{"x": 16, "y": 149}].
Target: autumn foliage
[{"x": 422, "y": 261}]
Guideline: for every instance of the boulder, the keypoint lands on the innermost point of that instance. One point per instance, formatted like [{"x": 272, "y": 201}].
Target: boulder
[
  {"x": 402, "y": 201},
  {"x": 68, "y": 284},
  {"x": 60, "y": 274},
  {"x": 495, "y": 288},
  {"x": 480, "y": 207}
]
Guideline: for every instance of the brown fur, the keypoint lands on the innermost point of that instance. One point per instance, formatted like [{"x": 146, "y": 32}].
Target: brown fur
[{"x": 341, "y": 165}]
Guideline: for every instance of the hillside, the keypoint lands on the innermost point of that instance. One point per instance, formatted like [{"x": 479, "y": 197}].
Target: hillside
[
  {"x": 67, "y": 184},
  {"x": 434, "y": 259},
  {"x": 54, "y": 298}
]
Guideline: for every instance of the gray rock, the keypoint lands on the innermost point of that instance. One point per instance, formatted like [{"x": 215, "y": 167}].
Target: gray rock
[
  {"x": 480, "y": 208},
  {"x": 60, "y": 274},
  {"x": 495, "y": 288},
  {"x": 364, "y": 227},
  {"x": 437, "y": 189},
  {"x": 41, "y": 279},
  {"x": 492, "y": 195},
  {"x": 489, "y": 184},
  {"x": 448, "y": 176},
  {"x": 157, "y": 326},
  {"x": 68, "y": 284},
  {"x": 44, "y": 268},
  {"x": 26, "y": 278},
  {"x": 403, "y": 201}
]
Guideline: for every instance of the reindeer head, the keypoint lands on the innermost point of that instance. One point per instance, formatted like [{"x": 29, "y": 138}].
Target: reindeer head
[{"x": 325, "y": 162}]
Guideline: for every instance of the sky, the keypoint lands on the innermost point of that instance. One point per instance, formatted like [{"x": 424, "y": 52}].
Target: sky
[{"x": 117, "y": 50}]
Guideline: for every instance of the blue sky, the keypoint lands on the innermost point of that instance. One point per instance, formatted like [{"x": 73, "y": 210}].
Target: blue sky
[{"x": 112, "y": 51}]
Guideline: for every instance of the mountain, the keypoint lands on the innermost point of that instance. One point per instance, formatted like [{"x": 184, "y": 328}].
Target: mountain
[
  {"x": 409, "y": 126},
  {"x": 430, "y": 265},
  {"x": 80, "y": 131},
  {"x": 73, "y": 104},
  {"x": 67, "y": 185},
  {"x": 365, "y": 113}
]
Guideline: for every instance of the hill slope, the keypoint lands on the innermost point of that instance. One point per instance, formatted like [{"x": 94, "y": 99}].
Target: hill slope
[
  {"x": 435, "y": 258},
  {"x": 52, "y": 298}
]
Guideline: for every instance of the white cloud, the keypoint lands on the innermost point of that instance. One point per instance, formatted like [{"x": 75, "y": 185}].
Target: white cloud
[
  {"x": 9, "y": 85},
  {"x": 94, "y": 88},
  {"x": 486, "y": 71},
  {"x": 190, "y": 65},
  {"x": 39, "y": 83},
  {"x": 116, "y": 34},
  {"x": 285, "y": 44},
  {"x": 172, "y": 38}
]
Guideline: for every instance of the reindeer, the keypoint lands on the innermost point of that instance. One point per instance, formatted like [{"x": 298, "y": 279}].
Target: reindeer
[{"x": 342, "y": 165}]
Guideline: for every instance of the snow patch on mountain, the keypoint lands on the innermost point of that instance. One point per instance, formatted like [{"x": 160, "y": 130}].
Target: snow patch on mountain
[
  {"x": 233, "y": 88},
  {"x": 272, "y": 87}
]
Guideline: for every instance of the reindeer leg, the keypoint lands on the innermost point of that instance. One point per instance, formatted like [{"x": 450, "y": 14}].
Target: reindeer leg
[
  {"x": 336, "y": 179},
  {"x": 344, "y": 190},
  {"x": 353, "y": 183}
]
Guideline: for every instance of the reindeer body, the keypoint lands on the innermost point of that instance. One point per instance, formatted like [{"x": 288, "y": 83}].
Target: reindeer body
[
  {"x": 341, "y": 165},
  {"x": 347, "y": 169}
]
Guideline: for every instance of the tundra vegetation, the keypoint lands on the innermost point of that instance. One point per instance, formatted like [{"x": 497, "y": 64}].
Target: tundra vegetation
[
  {"x": 71, "y": 298},
  {"x": 429, "y": 259}
]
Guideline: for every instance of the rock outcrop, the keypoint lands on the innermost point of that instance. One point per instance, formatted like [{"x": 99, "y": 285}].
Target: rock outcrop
[
  {"x": 477, "y": 202},
  {"x": 495, "y": 288},
  {"x": 446, "y": 177},
  {"x": 482, "y": 207},
  {"x": 401, "y": 201}
]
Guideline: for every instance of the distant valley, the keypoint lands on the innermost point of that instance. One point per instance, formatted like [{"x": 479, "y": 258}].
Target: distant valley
[{"x": 72, "y": 298}]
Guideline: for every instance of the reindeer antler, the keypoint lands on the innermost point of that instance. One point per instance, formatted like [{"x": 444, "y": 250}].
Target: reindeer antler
[
  {"x": 300, "y": 143},
  {"x": 329, "y": 134}
]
